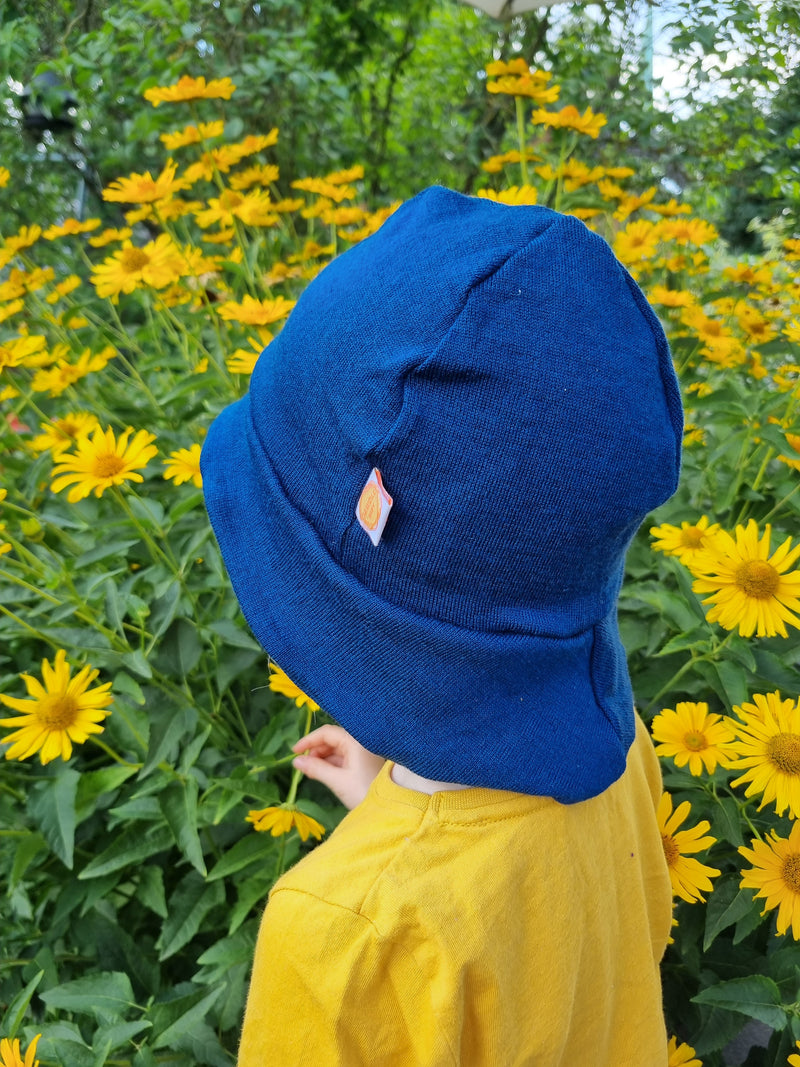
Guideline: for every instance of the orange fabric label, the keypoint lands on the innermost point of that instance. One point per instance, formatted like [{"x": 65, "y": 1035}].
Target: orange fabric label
[{"x": 369, "y": 506}]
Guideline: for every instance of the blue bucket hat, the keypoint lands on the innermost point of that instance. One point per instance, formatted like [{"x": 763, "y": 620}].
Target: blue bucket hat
[{"x": 425, "y": 499}]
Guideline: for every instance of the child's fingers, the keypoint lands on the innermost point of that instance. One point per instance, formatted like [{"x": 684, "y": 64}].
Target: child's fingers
[
  {"x": 327, "y": 735},
  {"x": 320, "y": 770}
]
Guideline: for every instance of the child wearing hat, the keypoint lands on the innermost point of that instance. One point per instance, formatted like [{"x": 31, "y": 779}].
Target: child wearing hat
[{"x": 424, "y": 504}]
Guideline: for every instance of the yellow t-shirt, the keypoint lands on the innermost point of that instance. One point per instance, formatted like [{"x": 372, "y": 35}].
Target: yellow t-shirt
[{"x": 476, "y": 927}]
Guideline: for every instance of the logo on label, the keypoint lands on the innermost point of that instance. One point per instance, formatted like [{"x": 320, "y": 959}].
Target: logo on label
[{"x": 373, "y": 507}]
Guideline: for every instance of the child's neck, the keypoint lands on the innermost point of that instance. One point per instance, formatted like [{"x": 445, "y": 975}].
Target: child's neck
[{"x": 406, "y": 778}]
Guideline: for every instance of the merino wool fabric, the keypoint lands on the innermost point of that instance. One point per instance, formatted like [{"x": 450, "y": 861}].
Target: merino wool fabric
[
  {"x": 477, "y": 928},
  {"x": 506, "y": 376}
]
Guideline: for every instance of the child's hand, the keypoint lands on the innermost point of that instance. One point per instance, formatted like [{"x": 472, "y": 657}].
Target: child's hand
[{"x": 331, "y": 756}]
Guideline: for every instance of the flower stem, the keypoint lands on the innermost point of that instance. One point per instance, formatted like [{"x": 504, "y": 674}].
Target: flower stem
[{"x": 523, "y": 159}]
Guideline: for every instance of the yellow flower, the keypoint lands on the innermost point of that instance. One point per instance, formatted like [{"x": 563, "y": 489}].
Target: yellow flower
[
  {"x": 184, "y": 465},
  {"x": 681, "y": 1055},
  {"x": 260, "y": 174},
  {"x": 251, "y": 144},
  {"x": 569, "y": 118},
  {"x": 144, "y": 188},
  {"x": 792, "y": 330},
  {"x": 26, "y": 237},
  {"x": 18, "y": 351},
  {"x": 329, "y": 190},
  {"x": 242, "y": 361},
  {"x": 768, "y": 744},
  {"x": 494, "y": 164},
  {"x": 192, "y": 135},
  {"x": 523, "y": 194},
  {"x": 107, "y": 236},
  {"x": 5, "y": 177},
  {"x": 10, "y": 1053},
  {"x": 69, "y": 285},
  {"x": 11, "y": 309},
  {"x": 280, "y": 682},
  {"x": 672, "y": 298},
  {"x": 60, "y": 435},
  {"x": 689, "y": 231},
  {"x": 639, "y": 240},
  {"x": 693, "y": 435},
  {"x": 515, "y": 78},
  {"x": 749, "y": 588},
  {"x": 280, "y": 820},
  {"x": 187, "y": 88},
  {"x": 794, "y": 1059},
  {"x": 688, "y": 876},
  {"x": 255, "y": 312},
  {"x": 158, "y": 263},
  {"x": 685, "y": 541},
  {"x": 793, "y": 441},
  {"x": 102, "y": 461},
  {"x": 62, "y": 711},
  {"x": 672, "y": 207},
  {"x": 759, "y": 329},
  {"x": 776, "y": 875},
  {"x": 69, "y": 227},
  {"x": 745, "y": 274},
  {"x": 56, "y": 379},
  {"x": 629, "y": 204},
  {"x": 691, "y": 734},
  {"x": 253, "y": 209}
]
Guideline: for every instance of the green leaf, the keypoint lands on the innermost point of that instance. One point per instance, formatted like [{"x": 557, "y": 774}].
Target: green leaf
[
  {"x": 130, "y": 848},
  {"x": 15, "y": 1013},
  {"x": 233, "y": 664},
  {"x": 734, "y": 681},
  {"x": 250, "y": 894},
  {"x": 726, "y": 905},
  {"x": 123, "y": 683},
  {"x": 726, "y": 822},
  {"x": 105, "y": 549},
  {"x": 186, "y": 1022},
  {"x": 27, "y": 849},
  {"x": 164, "y": 609},
  {"x": 180, "y": 648},
  {"x": 118, "y": 1034},
  {"x": 151, "y": 890},
  {"x": 179, "y": 805},
  {"x": 757, "y": 997},
  {"x": 107, "y": 996},
  {"x": 52, "y": 805},
  {"x": 234, "y": 635},
  {"x": 115, "y": 610},
  {"x": 253, "y": 848},
  {"x": 188, "y": 906},
  {"x": 97, "y": 788},
  {"x": 137, "y": 663},
  {"x": 169, "y": 725}
]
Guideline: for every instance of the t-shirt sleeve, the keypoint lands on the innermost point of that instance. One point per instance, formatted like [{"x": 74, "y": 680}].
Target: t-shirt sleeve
[{"x": 327, "y": 988}]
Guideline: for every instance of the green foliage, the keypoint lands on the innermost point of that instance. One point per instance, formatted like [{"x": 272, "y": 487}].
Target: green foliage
[{"x": 133, "y": 883}]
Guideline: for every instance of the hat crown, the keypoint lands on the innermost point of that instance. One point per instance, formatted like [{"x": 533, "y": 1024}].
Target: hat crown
[{"x": 507, "y": 377}]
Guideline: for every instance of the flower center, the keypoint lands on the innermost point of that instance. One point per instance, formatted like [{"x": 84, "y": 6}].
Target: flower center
[
  {"x": 784, "y": 751},
  {"x": 757, "y": 579},
  {"x": 695, "y": 741},
  {"x": 109, "y": 465},
  {"x": 671, "y": 850},
  {"x": 57, "y": 711},
  {"x": 133, "y": 260},
  {"x": 791, "y": 872},
  {"x": 691, "y": 537}
]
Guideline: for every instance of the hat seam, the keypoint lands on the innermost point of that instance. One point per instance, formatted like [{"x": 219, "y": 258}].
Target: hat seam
[{"x": 403, "y": 418}]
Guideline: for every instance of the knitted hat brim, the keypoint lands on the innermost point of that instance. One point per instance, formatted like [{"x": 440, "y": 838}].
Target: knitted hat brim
[{"x": 526, "y": 713}]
